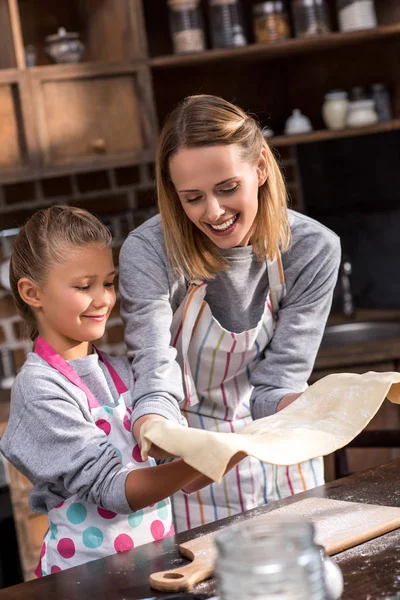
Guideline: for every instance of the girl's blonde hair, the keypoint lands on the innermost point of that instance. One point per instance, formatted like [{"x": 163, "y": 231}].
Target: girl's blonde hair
[
  {"x": 42, "y": 243},
  {"x": 205, "y": 120}
]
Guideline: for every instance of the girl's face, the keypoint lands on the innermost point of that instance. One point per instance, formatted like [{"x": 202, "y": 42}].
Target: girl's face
[
  {"x": 218, "y": 191},
  {"x": 76, "y": 300}
]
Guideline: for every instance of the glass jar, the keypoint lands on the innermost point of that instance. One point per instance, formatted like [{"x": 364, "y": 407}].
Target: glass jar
[
  {"x": 310, "y": 17},
  {"x": 270, "y": 559},
  {"x": 270, "y": 22},
  {"x": 354, "y": 15},
  {"x": 186, "y": 25},
  {"x": 227, "y": 29},
  {"x": 361, "y": 113},
  {"x": 335, "y": 108}
]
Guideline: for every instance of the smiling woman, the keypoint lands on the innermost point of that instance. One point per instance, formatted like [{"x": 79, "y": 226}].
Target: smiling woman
[{"x": 225, "y": 296}]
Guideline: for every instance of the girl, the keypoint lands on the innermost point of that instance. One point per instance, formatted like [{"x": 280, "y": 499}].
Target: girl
[
  {"x": 225, "y": 297},
  {"x": 69, "y": 430}
]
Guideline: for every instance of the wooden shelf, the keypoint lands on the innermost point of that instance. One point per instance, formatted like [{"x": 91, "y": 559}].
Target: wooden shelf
[
  {"x": 324, "y": 135},
  {"x": 277, "y": 49}
]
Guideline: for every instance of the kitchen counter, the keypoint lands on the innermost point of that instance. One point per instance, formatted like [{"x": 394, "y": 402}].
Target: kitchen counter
[
  {"x": 370, "y": 570},
  {"x": 367, "y": 353}
]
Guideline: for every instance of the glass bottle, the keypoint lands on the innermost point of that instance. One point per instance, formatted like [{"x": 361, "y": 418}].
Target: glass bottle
[
  {"x": 381, "y": 98},
  {"x": 310, "y": 17},
  {"x": 270, "y": 559},
  {"x": 186, "y": 25},
  {"x": 227, "y": 30}
]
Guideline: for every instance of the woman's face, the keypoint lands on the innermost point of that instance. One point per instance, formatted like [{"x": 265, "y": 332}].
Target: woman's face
[{"x": 218, "y": 191}]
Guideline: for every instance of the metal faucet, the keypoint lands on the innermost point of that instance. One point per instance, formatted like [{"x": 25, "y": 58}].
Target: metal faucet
[{"x": 347, "y": 296}]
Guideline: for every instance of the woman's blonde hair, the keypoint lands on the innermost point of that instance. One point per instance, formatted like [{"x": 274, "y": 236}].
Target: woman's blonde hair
[
  {"x": 205, "y": 120},
  {"x": 42, "y": 243}
]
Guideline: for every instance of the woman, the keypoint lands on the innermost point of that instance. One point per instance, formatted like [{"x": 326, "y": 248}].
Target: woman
[{"x": 225, "y": 297}]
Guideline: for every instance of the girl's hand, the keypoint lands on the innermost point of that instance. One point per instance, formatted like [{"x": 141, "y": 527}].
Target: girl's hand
[
  {"x": 286, "y": 401},
  {"x": 155, "y": 452},
  {"x": 203, "y": 481}
]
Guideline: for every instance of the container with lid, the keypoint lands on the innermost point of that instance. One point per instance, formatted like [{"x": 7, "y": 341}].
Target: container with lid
[
  {"x": 227, "y": 30},
  {"x": 335, "y": 108},
  {"x": 310, "y": 17},
  {"x": 355, "y": 15},
  {"x": 186, "y": 25},
  {"x": 361, "y": 113},
  {"x": 275, "y": 559},
  {"x": 64, "y": 46},
  {"x": 270, "y": 22}
]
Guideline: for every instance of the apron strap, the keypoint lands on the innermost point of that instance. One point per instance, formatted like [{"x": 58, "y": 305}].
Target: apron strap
[
  {"x": 277, "y": 285},
  {"x": 119, "y": 384},
  {"x": 55, "y": 360}
]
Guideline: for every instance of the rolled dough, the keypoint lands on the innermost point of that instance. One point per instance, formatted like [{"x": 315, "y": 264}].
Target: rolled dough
[{"x": 326, "y": 417}]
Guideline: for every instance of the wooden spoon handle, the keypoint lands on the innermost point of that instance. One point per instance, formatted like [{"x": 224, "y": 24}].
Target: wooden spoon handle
[{"x": 182, "y": 579}]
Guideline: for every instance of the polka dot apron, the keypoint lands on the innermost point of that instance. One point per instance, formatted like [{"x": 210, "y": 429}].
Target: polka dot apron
[
  {"x": 80, "y": 531},
  {"x": 217, "y": 366}
]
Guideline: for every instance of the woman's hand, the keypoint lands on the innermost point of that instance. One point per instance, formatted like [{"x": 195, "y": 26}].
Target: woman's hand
[{"x": 286, "y": 401}]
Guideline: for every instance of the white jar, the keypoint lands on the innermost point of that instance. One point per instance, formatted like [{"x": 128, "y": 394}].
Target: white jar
[
  {"x": 355, "y": 15},
  {"x": 361, "y": 113},
  {"x": 297, "y": 123},
  {"x": 335, "y": 109}
]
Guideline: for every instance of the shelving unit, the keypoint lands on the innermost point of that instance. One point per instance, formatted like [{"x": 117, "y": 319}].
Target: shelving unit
[
  {"x": 268, "y": 51},
  {"x": 128, "y": 69},
  {"x": 326, "y": 134}
]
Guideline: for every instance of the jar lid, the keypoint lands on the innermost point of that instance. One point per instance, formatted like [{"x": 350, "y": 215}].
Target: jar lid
[
  {"x": 264, "y": 8},
  {"x": 62, "y": 34},
  {"x": 336, "y": 95}
]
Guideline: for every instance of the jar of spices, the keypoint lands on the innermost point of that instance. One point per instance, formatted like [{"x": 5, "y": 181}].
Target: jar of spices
[
  {"x": 270, "y": 559},
  {"x": 356, "y": 14},
  {"x": 186, "y": 25},
  {"x": 310, "y": 17},
  {"x": 227, "y": 30},
  {"x": 270, "y": 22}
]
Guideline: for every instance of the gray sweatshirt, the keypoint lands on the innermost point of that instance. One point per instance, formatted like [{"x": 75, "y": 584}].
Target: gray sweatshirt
[
  {"x": 151, "y": 292},
  {"x": 52, "y": 439}
]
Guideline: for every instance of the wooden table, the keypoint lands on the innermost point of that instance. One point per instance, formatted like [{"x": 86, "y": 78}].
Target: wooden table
[{"x": 370, "y": 571}]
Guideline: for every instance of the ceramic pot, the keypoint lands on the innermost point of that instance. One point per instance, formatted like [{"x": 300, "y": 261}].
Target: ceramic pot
[
  {"x": 335, "y": 109},
  {"x": 361, "y": 113},
  {"x": 64, "y": 47}
]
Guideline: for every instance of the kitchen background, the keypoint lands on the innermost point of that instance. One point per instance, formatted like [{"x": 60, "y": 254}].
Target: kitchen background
[{"x": 84, "y": 85}]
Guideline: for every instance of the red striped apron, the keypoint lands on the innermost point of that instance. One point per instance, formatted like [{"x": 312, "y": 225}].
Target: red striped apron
[{"x": 217, "y": 365}]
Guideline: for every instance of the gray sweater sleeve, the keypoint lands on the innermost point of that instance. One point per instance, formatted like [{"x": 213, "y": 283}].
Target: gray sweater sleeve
[
  {"x": 51, "y": 442},
  {"x": 147, "y": 314},
  {"x": 311, "y": 270}
]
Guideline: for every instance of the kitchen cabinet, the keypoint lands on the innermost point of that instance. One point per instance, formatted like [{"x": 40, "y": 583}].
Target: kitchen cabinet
[
  {"x": 128, "y": 55},
  {"x": 67, "y": 118},
  {"x": 92, "y": 115}
]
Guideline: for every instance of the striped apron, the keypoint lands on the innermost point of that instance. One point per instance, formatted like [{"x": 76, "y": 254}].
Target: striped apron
[{"x": 217, "y": 366}]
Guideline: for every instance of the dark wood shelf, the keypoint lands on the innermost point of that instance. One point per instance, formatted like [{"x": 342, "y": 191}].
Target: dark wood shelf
[
  {"x": 277, "y": 49},
  {"x": 323, "y": 135}
]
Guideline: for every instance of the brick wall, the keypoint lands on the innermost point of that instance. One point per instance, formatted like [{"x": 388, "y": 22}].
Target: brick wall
[{"x": 123, "y": 198}]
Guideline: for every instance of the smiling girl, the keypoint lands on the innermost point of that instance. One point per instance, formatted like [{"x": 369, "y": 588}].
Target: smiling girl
[
  {"x": 69, "y": 430},
  {"x": 225, "y": 297}
]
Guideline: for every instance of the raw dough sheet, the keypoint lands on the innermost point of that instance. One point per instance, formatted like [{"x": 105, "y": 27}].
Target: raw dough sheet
[{"x": 326, "y": 417}]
